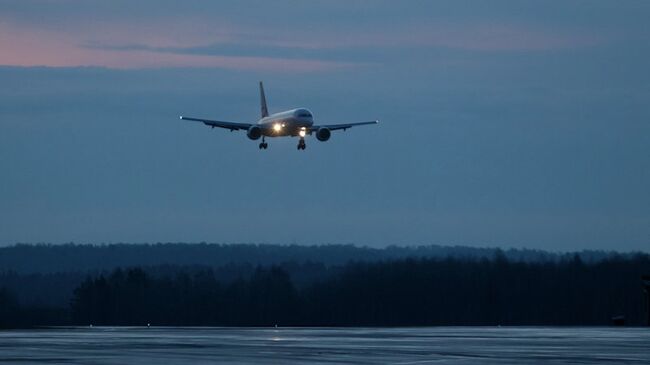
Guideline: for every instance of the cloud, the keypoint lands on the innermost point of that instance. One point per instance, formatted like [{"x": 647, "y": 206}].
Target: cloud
[
  {"x": 216, "y": 40},
  {"x": 497, "y": 38},
  {"x": 32, "y": 46}
]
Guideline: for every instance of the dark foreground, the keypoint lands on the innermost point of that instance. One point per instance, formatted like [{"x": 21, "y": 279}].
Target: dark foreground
[{"x": 441, "y": 345}]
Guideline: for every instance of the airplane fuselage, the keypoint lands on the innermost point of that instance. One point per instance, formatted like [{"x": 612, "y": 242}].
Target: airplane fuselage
[{"x": 295, "y": 122}]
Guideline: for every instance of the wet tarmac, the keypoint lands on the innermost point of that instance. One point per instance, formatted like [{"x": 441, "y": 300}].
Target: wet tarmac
[{"x": 434, "y": 345}]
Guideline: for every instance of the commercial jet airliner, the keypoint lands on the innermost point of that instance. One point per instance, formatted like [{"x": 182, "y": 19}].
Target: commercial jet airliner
[{"x": 294, "y": 123}]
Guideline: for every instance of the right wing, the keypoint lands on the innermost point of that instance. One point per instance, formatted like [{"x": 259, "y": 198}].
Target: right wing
[
  {"x": 334, "y": 127},
  {"x": 217, "y": 123}
]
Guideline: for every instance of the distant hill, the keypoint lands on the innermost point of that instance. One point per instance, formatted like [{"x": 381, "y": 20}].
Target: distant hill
[{"x": 48, "y": 258}]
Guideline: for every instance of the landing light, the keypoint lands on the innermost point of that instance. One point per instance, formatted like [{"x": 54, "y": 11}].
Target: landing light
[
  {"x": 302, "y": 132},
  {"x": 277, "y": 127}
]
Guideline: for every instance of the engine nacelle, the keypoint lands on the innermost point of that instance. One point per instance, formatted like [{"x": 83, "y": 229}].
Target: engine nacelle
[
  {"x": 323, "y": 134},
  {"x": 254, "y": 132}
]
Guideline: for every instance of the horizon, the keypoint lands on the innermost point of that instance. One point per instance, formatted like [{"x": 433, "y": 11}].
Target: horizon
[{"x": 324, "y": 245}]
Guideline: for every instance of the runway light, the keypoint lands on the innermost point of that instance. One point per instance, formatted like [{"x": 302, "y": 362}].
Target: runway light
[
  {"x": 302, "y": 133},
  {"x": 277, "y": 127}
]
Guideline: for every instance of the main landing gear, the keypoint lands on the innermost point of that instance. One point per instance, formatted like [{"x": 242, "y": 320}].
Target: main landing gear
[
  {"x": 301, "y": 144},
  {"x": 264, "y": 145}
]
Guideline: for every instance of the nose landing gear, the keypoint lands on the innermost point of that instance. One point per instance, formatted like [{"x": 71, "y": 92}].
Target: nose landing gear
[{"x": 302, "y": 145}]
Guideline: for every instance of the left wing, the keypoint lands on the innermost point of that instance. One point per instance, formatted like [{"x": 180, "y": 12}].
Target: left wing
[
  {"x": 233, "y": 126},
  {"x": 334, "y": 127}
]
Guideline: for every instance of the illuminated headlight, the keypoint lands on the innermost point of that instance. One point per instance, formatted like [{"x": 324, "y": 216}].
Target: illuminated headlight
[
  {"x": 277, "y": 127},
  {"x": 302, "y": 132}
]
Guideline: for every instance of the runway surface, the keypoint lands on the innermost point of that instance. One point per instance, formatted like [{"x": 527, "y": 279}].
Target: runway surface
[{"x": 435, "y": 345}]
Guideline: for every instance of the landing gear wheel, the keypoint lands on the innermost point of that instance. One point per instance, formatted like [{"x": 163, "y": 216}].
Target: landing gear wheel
[
  {"x": 264, "y": 145},
  {"x": 301, "y": 145}
]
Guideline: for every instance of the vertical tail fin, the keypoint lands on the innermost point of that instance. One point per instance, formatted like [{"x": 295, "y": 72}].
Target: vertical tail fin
[{"x": 265, "y": 110}]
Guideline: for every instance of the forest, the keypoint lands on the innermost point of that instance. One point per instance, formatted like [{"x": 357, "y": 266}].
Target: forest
[
  {"x": 404, "y": 291},
  {"x": 49, "y": 258}
]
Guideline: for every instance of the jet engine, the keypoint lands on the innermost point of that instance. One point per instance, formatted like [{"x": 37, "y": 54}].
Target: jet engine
[
  {"x": 254, "y": 132},
  {"x": 323, "y": 134}
]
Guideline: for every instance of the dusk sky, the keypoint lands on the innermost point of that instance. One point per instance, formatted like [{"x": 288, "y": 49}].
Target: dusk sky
[{"x": 503, "y": 123}]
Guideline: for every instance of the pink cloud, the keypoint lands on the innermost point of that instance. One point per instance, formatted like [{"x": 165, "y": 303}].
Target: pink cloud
[
  {"x": 21, "y": 46},
  {"x": 62, "y": 45}
]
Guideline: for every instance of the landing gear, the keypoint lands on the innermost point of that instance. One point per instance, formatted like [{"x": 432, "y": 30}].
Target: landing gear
[
  {"x": 301, "y": 144},
  {"x": 264, "y": 145}
]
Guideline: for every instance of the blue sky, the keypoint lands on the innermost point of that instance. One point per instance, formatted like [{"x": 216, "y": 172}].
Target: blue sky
[{"x": 504, "y": 123}]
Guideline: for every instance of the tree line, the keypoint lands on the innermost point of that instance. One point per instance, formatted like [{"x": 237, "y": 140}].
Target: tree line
[
  {"x": 405, "y": 292},
  {"x": 47, "y": 258}
]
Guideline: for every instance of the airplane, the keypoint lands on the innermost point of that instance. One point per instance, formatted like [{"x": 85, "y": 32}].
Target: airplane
[{"x": 294, "y": 123}]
